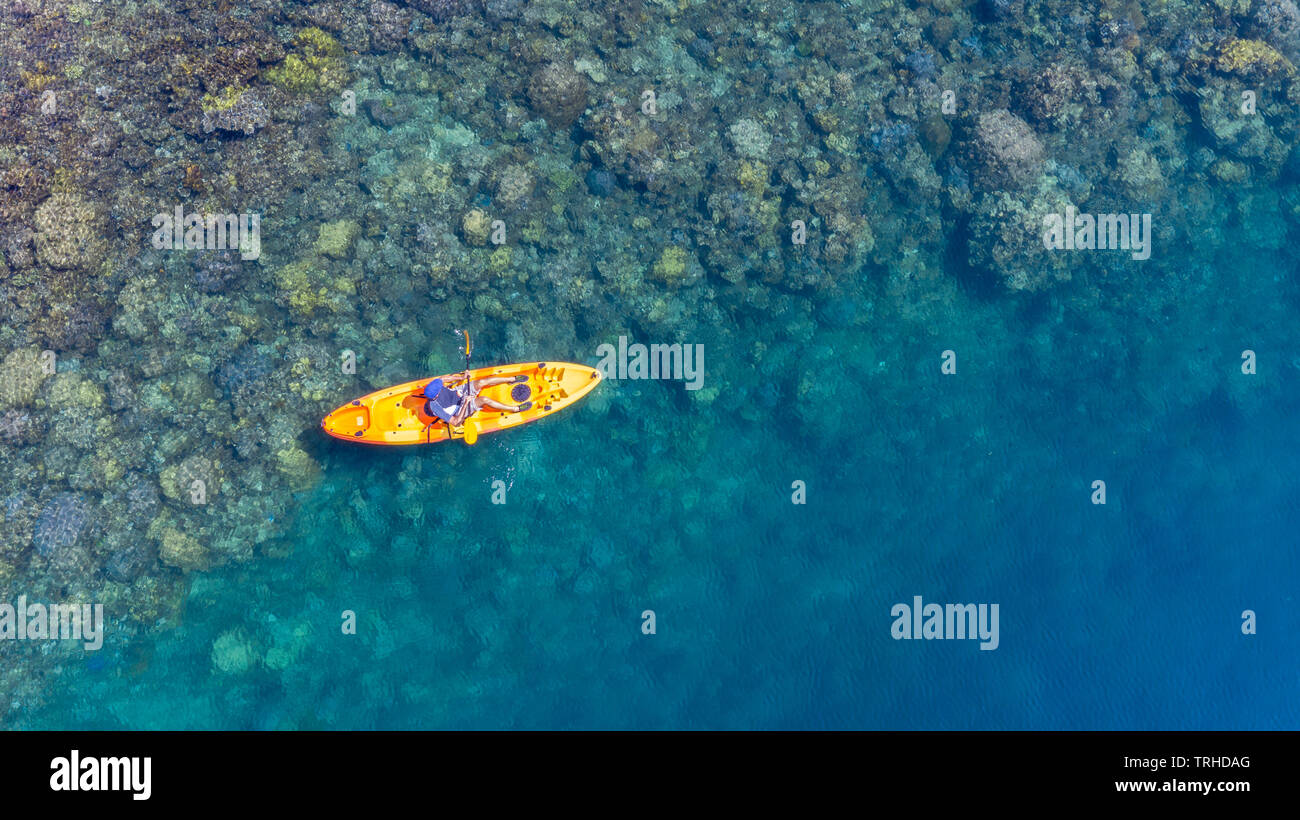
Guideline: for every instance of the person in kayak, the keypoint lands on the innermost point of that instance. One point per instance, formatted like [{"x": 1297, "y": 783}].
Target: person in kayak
[{"x": 454, "y": 406}]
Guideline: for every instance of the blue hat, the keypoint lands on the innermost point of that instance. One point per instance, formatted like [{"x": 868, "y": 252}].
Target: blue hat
[{"x": 442, "y": 402}]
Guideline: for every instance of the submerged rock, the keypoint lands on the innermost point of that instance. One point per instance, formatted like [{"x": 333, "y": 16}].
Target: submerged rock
[
  {"x": 70, "y": 232},
  {"x": 1277, "y": 22},
  {"x": 558, "y": 93},
  {"x": 17, "y": 522},
  {"x": 242, "y": 113},
  {"x": 59, "y": 532},
  {"x": 246, "y": 376},
  {"x": 20, "y": 427},
  {"x": 78, "y": 327},
  {"x": 182, "y": 551},
  {"x": 601, "y": 182},
  {"x": 388, "y": 112},
  {"x": 132, "y": 555},
  {"x": 1007, "y": 151},
  {"x": 142, "y": 499},
  {"x": 217, "y": 271},
  {"x": 749, "y": 138},
  {"x": 442, "y": 10},
  {"x": 389, "y": 25},
  {"x": 233, "y": 653},
  {"x": 1059, "y": 95}
]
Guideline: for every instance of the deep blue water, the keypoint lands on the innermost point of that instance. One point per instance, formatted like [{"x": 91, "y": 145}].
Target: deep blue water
[{"x": 973, "y": 487}]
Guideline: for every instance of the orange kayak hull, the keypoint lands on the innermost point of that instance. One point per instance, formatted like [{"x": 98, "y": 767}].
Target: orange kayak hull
[{"x": 395, "y": 415}]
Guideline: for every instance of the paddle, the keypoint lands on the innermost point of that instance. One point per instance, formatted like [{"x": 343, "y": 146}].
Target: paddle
[
  {"x": 468, "y": 348},
  {"x": 468, "y": 431}
]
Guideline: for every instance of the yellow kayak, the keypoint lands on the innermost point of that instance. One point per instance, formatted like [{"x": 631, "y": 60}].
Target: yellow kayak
[{"x": 395, "y": 415}]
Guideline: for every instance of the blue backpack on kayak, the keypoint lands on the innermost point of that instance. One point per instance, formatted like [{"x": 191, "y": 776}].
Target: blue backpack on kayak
[{"x": 442, "y": 401}]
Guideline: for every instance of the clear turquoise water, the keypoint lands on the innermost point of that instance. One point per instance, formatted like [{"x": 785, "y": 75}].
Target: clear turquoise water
[{"x": 973, "y": 487}]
